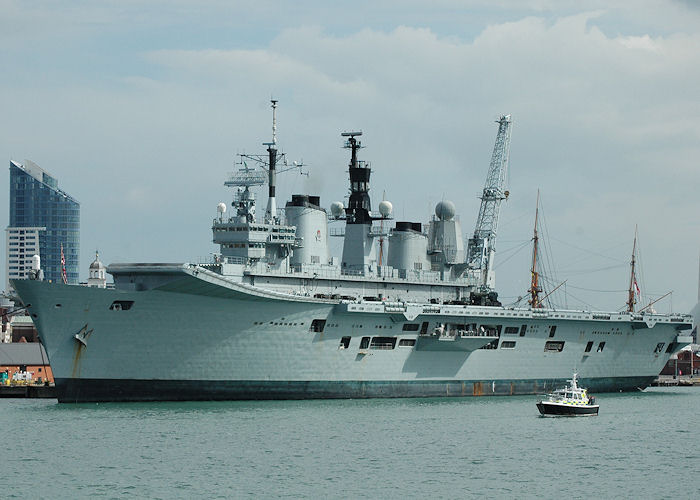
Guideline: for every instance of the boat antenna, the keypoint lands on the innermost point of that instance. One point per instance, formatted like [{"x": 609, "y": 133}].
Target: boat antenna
[
  {"x": 633, "y": 290},
  {"x": 535, "y": 288}
]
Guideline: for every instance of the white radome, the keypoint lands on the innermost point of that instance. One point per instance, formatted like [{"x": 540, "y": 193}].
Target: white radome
[
  {"x": 385, "y": 208},
  {"x": 221, "y": 208},
  {"x": 445, "y": 210}
]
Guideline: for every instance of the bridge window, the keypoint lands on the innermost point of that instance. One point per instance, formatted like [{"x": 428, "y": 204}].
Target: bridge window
[
  {"x": 344, "y": 343},
  {"x": 410, "y": 327},
  {"x": 508, "y": 344},
  {"x": 407, "y": 342},
  {"x": 512, "y": 330}
]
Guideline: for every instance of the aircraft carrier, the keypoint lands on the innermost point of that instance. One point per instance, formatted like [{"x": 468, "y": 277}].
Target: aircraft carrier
[{"x": 408, "y": 310}]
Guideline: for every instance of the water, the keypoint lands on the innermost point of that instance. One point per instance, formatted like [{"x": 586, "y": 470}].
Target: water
[{"x": 640, "y": 446}]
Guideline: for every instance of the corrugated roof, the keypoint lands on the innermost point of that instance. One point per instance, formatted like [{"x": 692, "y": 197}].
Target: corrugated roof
[
  {"x": 22, "y": 353},
  {"x": 22, "y": 320}
]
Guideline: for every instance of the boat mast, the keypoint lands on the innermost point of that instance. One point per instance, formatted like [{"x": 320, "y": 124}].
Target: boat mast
[
  {"x": 535, "y": 288},
  {"x": 271, "y": 211},
  {"x": 631, "y": 297}
]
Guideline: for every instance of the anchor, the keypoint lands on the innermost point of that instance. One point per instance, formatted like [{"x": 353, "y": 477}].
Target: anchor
[{"x": 83, "y": 335}]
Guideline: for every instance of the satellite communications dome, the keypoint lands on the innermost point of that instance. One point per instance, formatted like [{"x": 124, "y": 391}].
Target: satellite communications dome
[
  {"x": 445, "y": 210},
  {"x": 221, "y": 208},
  {"x": 36, "y": 262},
  {"x": 337, "y": 208},
  {"x": 385, "y": 208}
]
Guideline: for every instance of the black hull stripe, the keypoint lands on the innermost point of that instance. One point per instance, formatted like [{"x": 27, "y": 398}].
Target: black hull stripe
[{"x": 103, "y": 390}]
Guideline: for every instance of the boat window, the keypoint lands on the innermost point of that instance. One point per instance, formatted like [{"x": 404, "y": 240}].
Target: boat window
[
  {"x": 659, "y": 347},
  {"x": 364, "y": 343},
  {"x": 491, "y": 345},
  {"x": 508, "y": 344},
  {"x": 121, "y": 305},
  {"x": 601, "y": 346},
  {"x": 523, "y": 329},
  {"x": 512, "y": 330},
  {"x": 552, "y": 329},
  {"x": 410, "y": 327},
  {"x": 344, "y": 343},
  {"x": 407, "y": 342},
  {"x": 317, "y": 325},
  {"x": 671, "y": 347},
  {"x": 491, "y": 330},
  {"x": 383, "y": 343},
  {"x": 424, "y": 328},
  {"x": 554, "y": 346},
  {"x": 589, "y": 346}
]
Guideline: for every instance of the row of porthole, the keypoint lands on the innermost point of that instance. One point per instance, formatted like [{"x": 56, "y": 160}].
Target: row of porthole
[{"x": 277, "y": 323}]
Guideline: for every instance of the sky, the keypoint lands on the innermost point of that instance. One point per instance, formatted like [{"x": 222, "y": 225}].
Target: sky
[{"x": 139, "y": 108}]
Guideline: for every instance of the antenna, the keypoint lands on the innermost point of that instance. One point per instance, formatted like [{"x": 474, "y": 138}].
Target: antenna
[{"x": 274, "y": 121}]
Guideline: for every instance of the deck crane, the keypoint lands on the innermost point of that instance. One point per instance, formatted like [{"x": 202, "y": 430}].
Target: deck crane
[{"x": 481, "y": 247}]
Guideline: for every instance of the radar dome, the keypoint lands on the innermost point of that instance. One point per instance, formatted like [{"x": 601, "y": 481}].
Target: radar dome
[
  {"x": 337, "y": 208},
  {"x": 445, "y": 210},
  {"x": 385, "y": 208},
  {"x": 221, "y": 208}
]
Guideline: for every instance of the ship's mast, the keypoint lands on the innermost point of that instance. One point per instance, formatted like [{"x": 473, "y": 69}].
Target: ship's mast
[
  {"x": 535, "y": 288},
  {"x": 631, "y": 294},
  {"x": 271, "y": 210},
  {"x": 482, "y": 246}
]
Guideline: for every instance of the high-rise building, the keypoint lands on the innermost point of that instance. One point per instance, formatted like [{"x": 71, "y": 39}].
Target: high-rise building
[{"x": 39, "y": 208}]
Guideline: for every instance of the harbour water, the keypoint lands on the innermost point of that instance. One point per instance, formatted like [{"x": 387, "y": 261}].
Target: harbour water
[{"x": 642, "y": 445}]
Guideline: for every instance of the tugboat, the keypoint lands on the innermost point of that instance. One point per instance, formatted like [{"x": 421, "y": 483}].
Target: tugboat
[{"x": 570, "y": 401}]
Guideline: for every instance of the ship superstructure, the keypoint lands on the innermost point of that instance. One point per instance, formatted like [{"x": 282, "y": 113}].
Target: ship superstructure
[{"x": 407, "y": 310}]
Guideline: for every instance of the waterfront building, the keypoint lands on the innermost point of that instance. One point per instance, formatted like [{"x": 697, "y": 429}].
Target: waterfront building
[
  {"x": 98, "y": 273},
  {"x": 22, "y": 246},
  {"x": 41, "y": 213}
]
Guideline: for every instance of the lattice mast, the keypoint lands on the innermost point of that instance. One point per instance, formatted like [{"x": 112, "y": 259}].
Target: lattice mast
[{"x": 482, "y": 246}]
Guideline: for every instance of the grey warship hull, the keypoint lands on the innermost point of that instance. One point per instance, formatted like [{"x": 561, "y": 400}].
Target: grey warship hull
[{"x": 198, "y": 336}]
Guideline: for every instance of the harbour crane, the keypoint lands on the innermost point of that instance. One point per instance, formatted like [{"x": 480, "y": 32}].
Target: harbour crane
[{"x": 481, "y": 248}]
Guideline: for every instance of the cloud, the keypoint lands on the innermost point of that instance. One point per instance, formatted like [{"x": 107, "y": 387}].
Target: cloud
[{"x": 604, "y": 109}]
